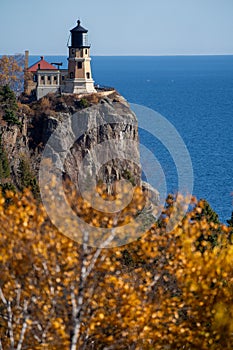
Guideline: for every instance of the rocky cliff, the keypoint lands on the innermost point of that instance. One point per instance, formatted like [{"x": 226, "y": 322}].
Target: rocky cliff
[{"x": 99, "y": 132}]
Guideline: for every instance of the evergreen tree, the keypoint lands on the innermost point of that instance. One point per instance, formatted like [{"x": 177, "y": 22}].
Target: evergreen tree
[
  {"x": 27, "y": 178},
  {"x": 8, "y": 98},
  {"x": 207, "y": 212},
  {"x": 8, "y": 105},
  {"x": 4, "y": 164}
]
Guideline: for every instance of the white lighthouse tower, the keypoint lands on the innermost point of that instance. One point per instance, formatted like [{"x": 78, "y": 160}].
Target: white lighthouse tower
[{"x": 79, "y": 78}]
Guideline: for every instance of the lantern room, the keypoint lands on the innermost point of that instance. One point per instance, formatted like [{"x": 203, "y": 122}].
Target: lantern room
[{"x": 79, "y": 37}]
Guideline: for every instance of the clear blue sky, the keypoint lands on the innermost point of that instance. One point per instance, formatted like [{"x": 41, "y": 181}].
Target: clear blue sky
[{"x": 118, "y": 27}]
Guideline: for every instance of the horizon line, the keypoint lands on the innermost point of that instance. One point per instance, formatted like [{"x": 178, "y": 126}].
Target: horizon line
[{"x": 129, "y": 55}]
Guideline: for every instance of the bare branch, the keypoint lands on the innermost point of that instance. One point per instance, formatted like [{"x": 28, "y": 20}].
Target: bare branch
[
  {"x": 2, "y": 297},
  {"x": 10, "y": 324},
  {"x": 85, "y": 272},
  {"x": 97, "y": 254},
  {"x": 73, "y": 301},
  {"x": 24, "y": 326}
]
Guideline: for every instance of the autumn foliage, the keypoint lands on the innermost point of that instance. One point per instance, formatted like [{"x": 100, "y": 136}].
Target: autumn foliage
[
  {"x": 11, "y": 71},
  {"x": 166, "y": 290}
]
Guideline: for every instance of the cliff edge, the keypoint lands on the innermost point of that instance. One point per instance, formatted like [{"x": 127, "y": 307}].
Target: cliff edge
[{"x": 81, "y": 124}]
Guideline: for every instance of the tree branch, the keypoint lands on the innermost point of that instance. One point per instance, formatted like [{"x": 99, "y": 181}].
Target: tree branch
[{"x": 24, "y": 326}]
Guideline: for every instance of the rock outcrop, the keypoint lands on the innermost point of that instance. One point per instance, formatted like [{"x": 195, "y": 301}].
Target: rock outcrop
[{"x": 102, "y": 136}]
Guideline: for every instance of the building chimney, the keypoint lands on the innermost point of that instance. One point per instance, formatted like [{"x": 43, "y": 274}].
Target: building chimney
[
  {"x": 26, "y": 59},
  {"x": 26, "y": 78}
]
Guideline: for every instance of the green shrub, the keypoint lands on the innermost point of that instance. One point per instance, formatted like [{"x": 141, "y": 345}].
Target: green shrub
[
  {"x": 83, "y": 103},
  {"x": 4, "y": 164},
  {"x": 128, "y": 176},
  {"x": 8, "y": 186},
  {"x": 11, "y": 118},
  {"x": 27, "y": 178}
]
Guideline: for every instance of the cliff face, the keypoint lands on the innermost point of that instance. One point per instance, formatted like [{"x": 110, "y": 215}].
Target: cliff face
[
  {"x": 102, "y": 137},
  {"x": 14, "y": 144}
]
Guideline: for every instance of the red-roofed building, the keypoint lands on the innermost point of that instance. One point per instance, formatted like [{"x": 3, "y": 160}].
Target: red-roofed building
[
  {"x": 43, "y": 78},
  {"x": 42, "y": 64}
]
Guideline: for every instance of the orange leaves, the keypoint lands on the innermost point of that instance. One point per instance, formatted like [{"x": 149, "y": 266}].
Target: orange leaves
[
  {"x": 9, "y": 71},
  {"x": 165, "y": 288}
]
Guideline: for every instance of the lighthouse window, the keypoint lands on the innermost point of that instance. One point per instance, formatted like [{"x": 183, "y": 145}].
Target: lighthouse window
[
  {"x": 88, "y": 75},
  {"x": 85, "y": 39},
  {"x": 86, "y": 51},
  {"x": 80, "y": 65}
]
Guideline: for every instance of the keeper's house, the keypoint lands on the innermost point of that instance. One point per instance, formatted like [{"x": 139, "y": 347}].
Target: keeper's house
[{"x": 43, "y": 77}]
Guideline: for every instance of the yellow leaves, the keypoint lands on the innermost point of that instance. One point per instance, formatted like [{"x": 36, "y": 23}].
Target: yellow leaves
[
  {"x": 57, "y": 323},
  {"x": 92, "y": 326},
  {"x": 223, "y": 316},
  {"x": 162, "y": 289},
  {"x": 146, "y": 329},
  {"x": 158, "y": 314},
  {"x": 29, "y": 322},
  {"x": 110, "y": 338},
  {"x": 9, "y": 71},
  {"x": 101, "y": 316},
  {"x": 18, "y": 255}
]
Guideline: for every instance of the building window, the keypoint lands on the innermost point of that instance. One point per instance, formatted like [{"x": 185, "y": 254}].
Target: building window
[
  {"x": 71, "y": 75},
  {"x": 86, "y": 51},
  {"x": 62, "y": 78},
  {"x": 55, "y": 79},
  {"x": 42, "y": 77},
  {"x": 35, "y": 78},
  {"x": 80, "y": 65},
  {"x": 73, "y": 51},
  {"x": 49, "y": 78},
  {"x": 88, "y": 75}
]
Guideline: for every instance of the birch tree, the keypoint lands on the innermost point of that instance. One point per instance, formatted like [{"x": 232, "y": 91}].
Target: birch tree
[
  {"x": 11, "y": 72},
  {"x": 160, "y": 292}
]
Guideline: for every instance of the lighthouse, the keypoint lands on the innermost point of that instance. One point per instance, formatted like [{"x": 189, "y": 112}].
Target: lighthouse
[{"x": 79, "y": 79}]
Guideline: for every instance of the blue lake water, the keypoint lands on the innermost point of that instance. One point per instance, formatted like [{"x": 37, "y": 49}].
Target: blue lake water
[{"x": 195, "y": 93}]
